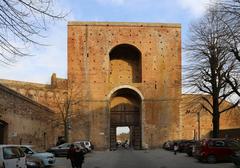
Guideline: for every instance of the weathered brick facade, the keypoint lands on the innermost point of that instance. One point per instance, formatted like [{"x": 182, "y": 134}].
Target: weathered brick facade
[{"x": 145, "y": 59}]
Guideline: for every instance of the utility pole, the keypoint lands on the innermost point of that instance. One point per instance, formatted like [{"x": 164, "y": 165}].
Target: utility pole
[{"x": 198, "y": 121}]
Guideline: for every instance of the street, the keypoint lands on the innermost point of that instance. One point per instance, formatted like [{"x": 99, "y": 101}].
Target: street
[{"x": 140, "y": 159}]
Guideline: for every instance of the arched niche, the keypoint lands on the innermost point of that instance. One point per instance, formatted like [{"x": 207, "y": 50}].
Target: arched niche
[{"x": 125, "y": 64}]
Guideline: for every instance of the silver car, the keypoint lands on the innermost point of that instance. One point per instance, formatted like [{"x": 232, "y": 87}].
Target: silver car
[{"x": 47, "y": 158}]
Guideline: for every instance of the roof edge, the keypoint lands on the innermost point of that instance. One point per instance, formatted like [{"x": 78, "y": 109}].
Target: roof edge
[{"x": 126, "y": 24}]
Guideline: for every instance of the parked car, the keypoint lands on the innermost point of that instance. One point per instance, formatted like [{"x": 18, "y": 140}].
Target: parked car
[
  {"x": 12, "y": 156},
  {"x": 182, "y": 145},
  {"x": 213, "y": 150},
  {"x": 168, "y": 145},
  {"x": 60, "y": 150},
  {"x": 33, "y": 162},
  {"x": 236, "y": 160},
  {"x": 47, "y": 158},
  {"x": 85, "y": 144},
  {"x": 189, "y": 147}
]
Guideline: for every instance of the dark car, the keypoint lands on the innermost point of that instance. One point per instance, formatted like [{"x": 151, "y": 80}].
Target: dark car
[
  {"x": 189, "y": 147},
  {"x": 167, "y": 145},
  {"x": 236, "y": 158},
  {"x": 60, "y": 150},
  {"x": 213, "y": 150},
  {"x": 182, "y": 145},
  {"x": 33, "y": 162}
]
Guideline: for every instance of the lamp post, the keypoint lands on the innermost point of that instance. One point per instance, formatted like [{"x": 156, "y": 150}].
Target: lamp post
[{"x": 198, "y": 121}]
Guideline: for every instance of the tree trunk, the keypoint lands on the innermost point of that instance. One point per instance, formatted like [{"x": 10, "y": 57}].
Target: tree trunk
[
  {"x": 215, "y": 122},
  {"x": 215, "y": 119},
  {"x": 66, "y": 133}
]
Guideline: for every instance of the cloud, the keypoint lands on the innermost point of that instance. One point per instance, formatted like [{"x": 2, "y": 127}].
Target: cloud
[{"x": 195, "y": 7}]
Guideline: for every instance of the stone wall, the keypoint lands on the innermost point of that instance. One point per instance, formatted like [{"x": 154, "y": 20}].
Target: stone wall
[
  {"x": 191, "y": 104},
  {"x": 44, "y": 94},
  {"x": 26, "y": 121}
]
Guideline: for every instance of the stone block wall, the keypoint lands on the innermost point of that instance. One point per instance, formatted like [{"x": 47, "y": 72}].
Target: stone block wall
[{"x": 26, "y": 122}]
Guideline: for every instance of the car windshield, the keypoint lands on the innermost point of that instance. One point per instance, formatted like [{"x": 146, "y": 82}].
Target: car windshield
[{"x": 65, "y": 145}]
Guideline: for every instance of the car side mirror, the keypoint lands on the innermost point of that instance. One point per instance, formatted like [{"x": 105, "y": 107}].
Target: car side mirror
[{"x": 29, "y": 152}]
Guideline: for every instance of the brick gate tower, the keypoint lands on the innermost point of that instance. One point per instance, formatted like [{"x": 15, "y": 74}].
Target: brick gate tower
[{"x": 125, "y": 74}]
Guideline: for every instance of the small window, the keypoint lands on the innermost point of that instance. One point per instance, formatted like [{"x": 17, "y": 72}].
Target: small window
[
  {"x": 219, "y": 143},
  {"x": 26, "y": 150}
]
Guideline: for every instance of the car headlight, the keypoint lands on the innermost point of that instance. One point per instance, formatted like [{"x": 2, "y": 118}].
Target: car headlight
[{"x": 31, "y": 163}]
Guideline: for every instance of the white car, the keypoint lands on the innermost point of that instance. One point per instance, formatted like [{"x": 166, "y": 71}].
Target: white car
[
  {"x": 47, "y": 158},
  {"x": 12, "y": 156},
  {"x": 85, "y": 144}
]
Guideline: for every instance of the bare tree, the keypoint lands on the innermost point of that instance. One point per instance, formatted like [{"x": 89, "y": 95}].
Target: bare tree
[
  {"x": 22, "y": 24},
  {"x": 66, "y": 102},
  {"x": 209, "y": 65},
  {"x": 230, "y": 10}
]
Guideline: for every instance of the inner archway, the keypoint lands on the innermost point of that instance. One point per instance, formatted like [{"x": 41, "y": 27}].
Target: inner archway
[
  {"x": 125, "y": 111},
  {"x": 3, "y": 132}
]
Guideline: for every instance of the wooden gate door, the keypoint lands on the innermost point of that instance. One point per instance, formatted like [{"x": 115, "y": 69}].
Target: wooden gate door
[
  {"x": 136, "y": 137},
  {"x": 113, "y": 138}
]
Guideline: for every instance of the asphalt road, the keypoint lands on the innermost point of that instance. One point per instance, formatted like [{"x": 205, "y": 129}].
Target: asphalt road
[{"x": 140, "y": 159}]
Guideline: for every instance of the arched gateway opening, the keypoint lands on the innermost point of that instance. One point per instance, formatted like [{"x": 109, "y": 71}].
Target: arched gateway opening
[
  {"x": 3, "y": 132},
  {"x": 125, "y": 111}
]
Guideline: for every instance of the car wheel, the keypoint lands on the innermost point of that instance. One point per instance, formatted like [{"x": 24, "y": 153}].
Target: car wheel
[{"x": 211, "y": 159}]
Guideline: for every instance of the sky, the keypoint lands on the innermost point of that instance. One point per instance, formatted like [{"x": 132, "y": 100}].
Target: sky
[{"x": 53, "y": 57}]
